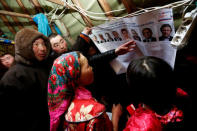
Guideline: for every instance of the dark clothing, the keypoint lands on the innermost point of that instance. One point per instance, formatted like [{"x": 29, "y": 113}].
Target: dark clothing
[
  {"x": 163, "y": 38},
  {"x": 109, "y": 40},
  {"x": 106, "y": 82},
  {"x": 152, "y": 39},
  {"x": 53, "y": 55},
  {"x": 23, "y": 96},
  {"x": 102, "y": 41},
  {"x": 2, "y": 71},
  {"x": 118, "y": 39},
  {"x": 137, "y": 38},
  {"x": 102, "y": 57},
  {"x": 23, "y": 88}
]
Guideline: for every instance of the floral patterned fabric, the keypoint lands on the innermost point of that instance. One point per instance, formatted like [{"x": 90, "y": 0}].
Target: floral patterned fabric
[
  {"x": 101, "y": 123},
  {"x": 62, "y": 87},
  {"x": 87, "y": 115},
  {"x": 174, "y": 115},
  {"x": 84, "y": 110}
]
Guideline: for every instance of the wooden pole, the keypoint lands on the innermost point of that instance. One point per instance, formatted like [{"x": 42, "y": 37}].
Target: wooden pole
[
  {"x": 37, "y": 6},
  {"x": 129, "y": 5},
  {"x": 26, "y": 12},
  {"x": 105, "y": 6},
  {"x": 7, "y": 23},
  {"x": 4, "y": 12},
  {"x": 85, "y": 18},
  {"x": 3, "y": 2}
]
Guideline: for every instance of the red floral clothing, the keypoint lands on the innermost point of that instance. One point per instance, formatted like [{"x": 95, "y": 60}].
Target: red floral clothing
[
  {"x": 65, "y": 96},
  {"x": 87, "y": 115},
  {"x": 174, "y": 115},
  {"x": 62, "y": 86}
]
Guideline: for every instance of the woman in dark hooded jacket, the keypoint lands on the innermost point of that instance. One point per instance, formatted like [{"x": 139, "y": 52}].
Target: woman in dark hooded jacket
[{"x": 23, "y": 89}]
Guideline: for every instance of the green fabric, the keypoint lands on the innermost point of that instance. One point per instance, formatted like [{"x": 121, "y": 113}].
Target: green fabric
[{"x": 72, "y": 20}]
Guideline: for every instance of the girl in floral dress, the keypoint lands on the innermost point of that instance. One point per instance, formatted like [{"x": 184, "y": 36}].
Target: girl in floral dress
[{"x": 71, "y": 106}]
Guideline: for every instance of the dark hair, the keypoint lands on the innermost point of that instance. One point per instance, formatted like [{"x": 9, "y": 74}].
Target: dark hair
[
  {"x": 52, "y": 35},
  {"x": 83, "y": 46},
  {"x": 124, "y": 30},
  {"x": 1, "y": 64},
  {"x": 147, "y": 29},
  {"x": 133, "y": 30},
  {"x": 150, "y": 79},
  {"x": 114, "y": 32},
  {"x": 6, "y": 53},
  {"x": 165, "y": 25}
]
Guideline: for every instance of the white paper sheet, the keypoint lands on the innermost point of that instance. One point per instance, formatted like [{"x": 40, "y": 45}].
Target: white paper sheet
[{"x": 133, "y": 28}]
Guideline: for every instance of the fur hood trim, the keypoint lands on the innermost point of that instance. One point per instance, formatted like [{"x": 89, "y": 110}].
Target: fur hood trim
[{"x": 24, "y": 45}]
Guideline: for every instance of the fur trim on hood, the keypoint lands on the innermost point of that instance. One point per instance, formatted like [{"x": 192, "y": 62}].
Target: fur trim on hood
[{"x": 24, "y": 45}]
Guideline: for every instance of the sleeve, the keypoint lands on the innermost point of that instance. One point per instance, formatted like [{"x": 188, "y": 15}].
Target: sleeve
[
  {"x": 9, "y": 99},
  {"x": 102, "y": 57},
  {"x": 84, "y": 43}
]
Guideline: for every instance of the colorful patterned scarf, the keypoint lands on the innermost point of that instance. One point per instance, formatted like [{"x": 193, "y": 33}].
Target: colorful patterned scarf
[{"x": 62, "y": 85}]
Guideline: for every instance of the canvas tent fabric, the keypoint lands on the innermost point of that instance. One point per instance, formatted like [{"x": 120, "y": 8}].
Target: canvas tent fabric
[{"x": 66, "y": 21}]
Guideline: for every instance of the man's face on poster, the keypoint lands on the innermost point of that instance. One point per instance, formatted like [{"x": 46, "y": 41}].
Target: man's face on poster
[
  {"x": 147, "y": 33},
  {"x": 94, "y": 38},
  {"x": 115, "y": 34},
  {"x": 166, "y": 31},
  {"x": 101, "y": 37},
  {"x": 125, "y": 34},
  {"x": 134, "y": 33}
]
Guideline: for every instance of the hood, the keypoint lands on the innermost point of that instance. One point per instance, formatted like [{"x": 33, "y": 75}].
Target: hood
[{"x": 24, "y": 45}]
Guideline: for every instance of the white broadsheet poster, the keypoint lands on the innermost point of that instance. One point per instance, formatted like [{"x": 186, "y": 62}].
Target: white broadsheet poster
[{"x": 152, "y": 31}]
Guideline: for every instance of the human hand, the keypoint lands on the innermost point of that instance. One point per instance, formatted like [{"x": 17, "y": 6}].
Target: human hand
[
  {"x": 116, "y": 113},
  {"x": 117, "y": 110},
  {"x": 125, "y": 48},
  {"x": 87, "y": 30}
]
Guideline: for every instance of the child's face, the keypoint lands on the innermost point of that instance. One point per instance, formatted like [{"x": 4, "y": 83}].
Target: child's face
[
  {"x": 87, "y": 75},
  {"x": 7, "y": 60},
  {"x": 58, "y": 44}
]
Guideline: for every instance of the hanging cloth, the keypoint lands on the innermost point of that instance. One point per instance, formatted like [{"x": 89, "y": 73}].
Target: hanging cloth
[{"x": 43, "y": 24}]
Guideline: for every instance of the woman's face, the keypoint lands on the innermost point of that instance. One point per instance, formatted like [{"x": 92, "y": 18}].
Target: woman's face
[
  {"x": 40, "y": 49},
  {"x": 87, "y": 75},
  {"x": 7, "y": 60}
]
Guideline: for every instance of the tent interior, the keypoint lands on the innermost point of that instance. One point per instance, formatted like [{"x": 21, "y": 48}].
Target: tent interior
[{"x": 70, "y": 17}]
